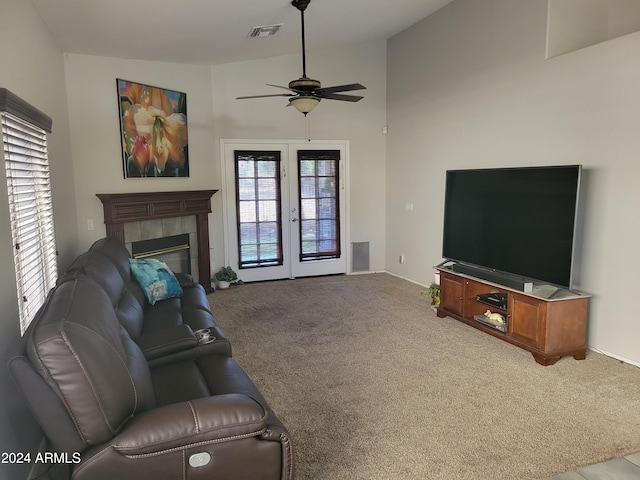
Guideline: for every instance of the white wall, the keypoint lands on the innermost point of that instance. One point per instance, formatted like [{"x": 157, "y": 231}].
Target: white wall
[
  {"x": 213, "y": 113},
  {"x": 575, "y": 24},
  {"x": 95, "y": 131},
  {"x": 360, "y": 123},
  {"x": 470, "y": 87},
  {"x": 32, "y": 68}
]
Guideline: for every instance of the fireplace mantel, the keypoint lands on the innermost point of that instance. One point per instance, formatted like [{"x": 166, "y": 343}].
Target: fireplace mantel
[{"x": 121, "y": 208}]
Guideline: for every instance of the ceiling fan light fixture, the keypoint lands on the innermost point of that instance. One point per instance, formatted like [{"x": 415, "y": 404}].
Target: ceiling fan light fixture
[{"x": 304, "y": 104}]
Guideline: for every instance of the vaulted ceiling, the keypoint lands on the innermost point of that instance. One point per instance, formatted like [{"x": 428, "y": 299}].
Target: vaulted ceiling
[{"x": 217, "y": 31}]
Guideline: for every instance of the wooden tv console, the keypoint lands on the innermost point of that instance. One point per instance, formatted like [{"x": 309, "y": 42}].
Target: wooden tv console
[{"x": 549, "y": 328}]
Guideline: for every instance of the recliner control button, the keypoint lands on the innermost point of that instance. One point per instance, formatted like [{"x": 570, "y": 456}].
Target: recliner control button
[{"x": 199, "y": 459}]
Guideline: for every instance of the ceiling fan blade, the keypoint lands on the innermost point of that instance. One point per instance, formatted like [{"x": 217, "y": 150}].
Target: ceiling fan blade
[
  {"x": 264, "y": 96},
  {"x": 285, "y": 88},
  {"x": 342, "y": 88},
  {"x": 344, "y": 98}
]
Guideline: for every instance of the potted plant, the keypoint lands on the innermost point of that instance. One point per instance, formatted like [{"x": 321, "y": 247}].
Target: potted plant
[
  {"x": 434, "y": 292},
  {"x": 434, "y": 295},
  {"x": 226, "y": 277}
]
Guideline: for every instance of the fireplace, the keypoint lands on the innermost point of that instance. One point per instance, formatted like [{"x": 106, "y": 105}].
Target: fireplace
[
  {"x": 174, "y": 250},
  {"x": 174, "y": 211}
]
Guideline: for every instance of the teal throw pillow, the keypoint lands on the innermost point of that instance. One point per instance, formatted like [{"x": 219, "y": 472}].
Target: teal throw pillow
[{"x": 156, "y": 279}]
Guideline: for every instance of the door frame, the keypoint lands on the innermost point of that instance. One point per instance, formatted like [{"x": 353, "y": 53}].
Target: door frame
[{"x": 228, "y": 191}]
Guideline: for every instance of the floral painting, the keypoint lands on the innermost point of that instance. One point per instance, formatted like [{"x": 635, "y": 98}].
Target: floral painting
[{"x": 153, "y": 125}]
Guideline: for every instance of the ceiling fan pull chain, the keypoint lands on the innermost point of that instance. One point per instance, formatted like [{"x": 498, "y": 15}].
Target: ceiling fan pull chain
[{"x": 307, "y": 128}]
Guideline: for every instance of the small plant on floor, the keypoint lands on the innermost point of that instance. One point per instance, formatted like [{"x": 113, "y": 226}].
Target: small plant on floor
[
  {"x": 434, "y": 294},
  {"x": 227, "y": 276},
  {"x": 434, "y": 291}
]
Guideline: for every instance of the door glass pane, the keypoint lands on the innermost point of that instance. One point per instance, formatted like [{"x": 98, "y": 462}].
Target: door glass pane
[
  {"x": 245, "y": 168},
  {"x": 258, "y": 205},
  {"x": 318, "y": 202}
]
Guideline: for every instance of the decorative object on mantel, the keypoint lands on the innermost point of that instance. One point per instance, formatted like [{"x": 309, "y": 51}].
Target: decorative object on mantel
[
  {"x": 153, "y": 128},
  {"x": 226, "y": 277},
  {"x": 306, "y": 91},
  {"x": 121, "y": 208}
]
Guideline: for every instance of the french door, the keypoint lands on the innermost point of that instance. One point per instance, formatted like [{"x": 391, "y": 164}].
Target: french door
[{"x": 285, "y": 205}]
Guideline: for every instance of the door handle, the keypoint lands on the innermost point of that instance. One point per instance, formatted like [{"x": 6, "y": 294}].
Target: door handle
[{"x": 294, "y": 219}]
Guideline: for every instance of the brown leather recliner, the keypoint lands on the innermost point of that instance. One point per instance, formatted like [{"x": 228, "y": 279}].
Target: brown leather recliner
[
  {"x": 164, "y": 330},
  {"x": 97, "y": 399}
]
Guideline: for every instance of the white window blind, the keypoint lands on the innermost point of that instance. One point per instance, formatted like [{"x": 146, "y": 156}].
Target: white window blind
[
  {"x": 259, "y": 203},
  {"x": 31, "y": 212},
  {"x": 319, "y": 204}
]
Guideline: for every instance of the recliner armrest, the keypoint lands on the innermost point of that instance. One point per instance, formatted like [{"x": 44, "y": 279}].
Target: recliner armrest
[
  {"x": 220, "y": 436},
  {"x": 166, "y": 341},
  {"x": 203, "y": 420}
]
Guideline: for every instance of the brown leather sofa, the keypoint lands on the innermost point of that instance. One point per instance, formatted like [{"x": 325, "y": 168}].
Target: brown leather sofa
[
  {"x": 184, "y": 412},
  {"x": 162, "y": 330}
]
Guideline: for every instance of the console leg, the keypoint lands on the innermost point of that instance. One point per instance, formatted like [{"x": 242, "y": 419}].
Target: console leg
[
  {"x": 581, "y": 355},
  {"x": 545, "y": 361}
]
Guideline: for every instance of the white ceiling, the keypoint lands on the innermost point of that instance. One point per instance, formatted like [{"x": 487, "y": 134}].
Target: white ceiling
[{"x": 211, "y": 32}]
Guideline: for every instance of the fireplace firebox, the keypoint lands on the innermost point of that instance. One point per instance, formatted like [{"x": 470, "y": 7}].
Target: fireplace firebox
[{"x": 173, "y": 250}]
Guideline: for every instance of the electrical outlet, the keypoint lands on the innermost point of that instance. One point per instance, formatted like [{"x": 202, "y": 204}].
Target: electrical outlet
[{"x": 90, "y": 224}]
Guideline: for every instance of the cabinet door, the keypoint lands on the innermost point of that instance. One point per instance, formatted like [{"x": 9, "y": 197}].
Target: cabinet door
[
  {"x": 451, "y": 297},
  {"x": 527, "y": 320}
]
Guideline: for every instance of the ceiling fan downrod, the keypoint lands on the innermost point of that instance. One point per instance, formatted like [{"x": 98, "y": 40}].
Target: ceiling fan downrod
[{"x": 302, "y": 6}]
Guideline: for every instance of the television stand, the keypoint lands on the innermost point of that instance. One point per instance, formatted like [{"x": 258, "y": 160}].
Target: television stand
[{"x": 549, "y": 326}]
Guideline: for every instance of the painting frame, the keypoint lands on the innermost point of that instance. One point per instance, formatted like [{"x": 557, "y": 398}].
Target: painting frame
[{"x": 153, "y": 131}]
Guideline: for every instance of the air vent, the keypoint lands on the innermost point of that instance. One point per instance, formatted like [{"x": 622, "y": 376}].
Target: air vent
[
  {"x": 360, "y": 256},
  {"x": 265, "y": 31}
]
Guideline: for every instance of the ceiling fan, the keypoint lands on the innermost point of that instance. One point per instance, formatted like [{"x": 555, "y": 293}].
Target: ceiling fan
[{"x": 307, "y": 92}]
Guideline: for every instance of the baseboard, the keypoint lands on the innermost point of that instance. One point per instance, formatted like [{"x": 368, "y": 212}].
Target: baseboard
[
  {"x": 366, "y": 272},
  {"x": 405, "y": 278},
  {"x": 612, "y": 355}
]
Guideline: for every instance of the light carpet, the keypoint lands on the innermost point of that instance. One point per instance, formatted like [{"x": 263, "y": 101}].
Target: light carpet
[{"x": 372, "y": 385}]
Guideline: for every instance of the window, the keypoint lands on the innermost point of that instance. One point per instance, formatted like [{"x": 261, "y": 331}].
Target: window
[
  {"x": 319, "y": 206},
  {"x": 24, "y": 137},
  {"x": 258, "y": 201}
]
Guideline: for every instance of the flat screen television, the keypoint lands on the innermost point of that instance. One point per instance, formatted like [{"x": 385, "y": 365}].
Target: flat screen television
[{"x": 520, "y": 221}]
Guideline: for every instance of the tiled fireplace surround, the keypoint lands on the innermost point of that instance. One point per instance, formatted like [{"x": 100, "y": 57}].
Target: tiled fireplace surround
[{"x": 131, "y": 217}]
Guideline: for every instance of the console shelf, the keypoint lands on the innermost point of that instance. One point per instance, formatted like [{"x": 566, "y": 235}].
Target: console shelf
[{"x": 548, "y": 328}]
